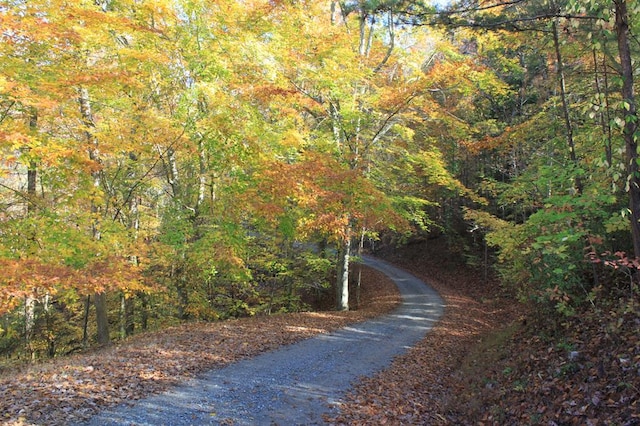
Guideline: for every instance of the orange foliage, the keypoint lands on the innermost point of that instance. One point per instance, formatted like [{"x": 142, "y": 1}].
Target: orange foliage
[
  {"x": 330, "y": 195},
  {"x": 23, "y": 278}
]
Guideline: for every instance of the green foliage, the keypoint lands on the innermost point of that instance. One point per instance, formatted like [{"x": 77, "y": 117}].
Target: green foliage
[
  {"x": 414, "y": 211},
  {"x": 544, "y": 257}
]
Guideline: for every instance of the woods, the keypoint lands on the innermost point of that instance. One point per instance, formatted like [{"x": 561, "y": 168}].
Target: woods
[
  {"x": 191, "y": 160},
  {"x": 561, "y": 189}
]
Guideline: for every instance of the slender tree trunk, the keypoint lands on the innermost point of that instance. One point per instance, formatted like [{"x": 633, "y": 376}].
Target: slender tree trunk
[
  {"x": 144, "y": 314},
  {"x": 127, "y": 323},
  {"x": 123, "y": 315},
  {"x": 342, "y": 284},
  {"x": 334, "y": 113},
  {"x": 183, "y": 293},
  {"x": 32, "y": 172},
  {"x": 362, "y": 18},
  {"x": 631, "y": 120},
  {"x": 29, "y": 323},
  {"x": 172, "y": 173},
  {"x": 51, "y": 337},
  {"x": 100, "y": 299},
  {"x": 565, "y": 105},
  {"x": 85, "y": 323},
  {"x": 607, "y": 118},
  {"x": 360, "y": 252},
  {"x": 30, "y": 301},
  {"x": 202, "y": 178},
  {"x": 603, "y": 103},
  {"x": 485, "y": 274}
]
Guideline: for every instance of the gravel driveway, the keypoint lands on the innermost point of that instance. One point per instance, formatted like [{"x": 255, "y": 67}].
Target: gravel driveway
[{"x": 298, "y": 383}]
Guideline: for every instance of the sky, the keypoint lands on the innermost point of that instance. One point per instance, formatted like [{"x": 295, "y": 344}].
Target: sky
[{"x": 442, "y": 3}]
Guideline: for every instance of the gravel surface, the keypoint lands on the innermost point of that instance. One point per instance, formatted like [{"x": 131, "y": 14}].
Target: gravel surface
[{"x": 298, "y": 383}]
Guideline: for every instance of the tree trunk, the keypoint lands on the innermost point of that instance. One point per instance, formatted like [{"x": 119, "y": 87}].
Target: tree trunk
[
  {"x": 30, "y": 301},
  {"x": 51, "y": 337},
  {"x": 603, "y": 102},
  {"x": 127, "y": 305},
  {"x": 631, "y": 120},
  {"x": 99, "y": 299},
  {"x": 360, "y": 252},
  {"x": 127, "y": 324},
  {"x": 342, "y": 282},
  {"x": 85, "y": 323},
  {"x": 123, "y": 315},
  {"x": 565, "y": 105},
  {"x": 29, "y": 323},
  {"x": 172, "y": 173},
  {"x": 176, "y": 276},
  {"x": 32, "y": 172},
  {"x": 202, "y": 177},
  {"x": 144, "y": 312},
  {"x": 102, "y": 321}
]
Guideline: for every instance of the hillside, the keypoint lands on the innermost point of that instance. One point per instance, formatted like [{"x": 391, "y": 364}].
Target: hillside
[{"x": 491, "y": 361}]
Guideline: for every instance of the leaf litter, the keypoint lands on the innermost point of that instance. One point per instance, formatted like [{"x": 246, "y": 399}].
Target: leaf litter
[{"x": 72, "y": 389}]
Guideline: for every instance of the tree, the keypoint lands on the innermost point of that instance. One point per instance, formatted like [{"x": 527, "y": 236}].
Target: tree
[
  {"x": 562, "y": 202},
  {"x": 630, "y": 118},
  {"x": 63, "y": 64},
  {"x": 350, "y": 87},
  {"x": 187, "y": 157}
]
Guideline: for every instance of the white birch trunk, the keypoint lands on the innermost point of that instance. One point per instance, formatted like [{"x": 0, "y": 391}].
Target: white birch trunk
[
  {"x": 202, "y": 178},
  {"x": 342, "y": 287}
]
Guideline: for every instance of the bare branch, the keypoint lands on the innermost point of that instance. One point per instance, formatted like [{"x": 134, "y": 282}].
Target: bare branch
[{"x": 5, "y": 113}]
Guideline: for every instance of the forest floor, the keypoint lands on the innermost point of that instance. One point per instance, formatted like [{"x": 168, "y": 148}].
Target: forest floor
[
  {"x": 486, "y": 362},
  {"x": 72, "y": 389}
]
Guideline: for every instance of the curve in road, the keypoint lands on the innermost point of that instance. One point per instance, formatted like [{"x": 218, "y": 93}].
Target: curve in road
[{"x": 298, "y": 383}]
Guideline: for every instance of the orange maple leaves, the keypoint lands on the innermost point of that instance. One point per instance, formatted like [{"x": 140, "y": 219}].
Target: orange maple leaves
[
  {"x": 22, "y": 278},
  {"x": 330, "y": 196}
]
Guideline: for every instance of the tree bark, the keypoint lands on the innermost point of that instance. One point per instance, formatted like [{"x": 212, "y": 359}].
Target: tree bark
[
  {"x": 29, "y": 324},
  {"x": 51, "y": 337},
  {"x": 102, "y": 322},
  {"x": 360, "y": 252},
  {"x": 85, "y": 322},
  {"x": 202, "y": 174},
  {"x": 123, "y": 315},
  {"x": 32, "y": 172},
  {"x": 342, "y": 284},
  {"x": 172, "y": 173},
  {"x": 630, "y": 120},
  {"x": 144, "y": 312}
]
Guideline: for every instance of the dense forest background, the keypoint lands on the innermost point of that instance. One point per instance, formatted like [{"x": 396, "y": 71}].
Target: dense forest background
[{"x": 194, "y": 160}]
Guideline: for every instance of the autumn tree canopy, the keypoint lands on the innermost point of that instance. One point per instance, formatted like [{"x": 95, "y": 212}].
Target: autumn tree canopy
[{"x": 165, "y": 160}]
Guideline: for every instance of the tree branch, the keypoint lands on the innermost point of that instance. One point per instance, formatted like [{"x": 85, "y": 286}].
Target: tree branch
[{"x": 5, "y": 113}]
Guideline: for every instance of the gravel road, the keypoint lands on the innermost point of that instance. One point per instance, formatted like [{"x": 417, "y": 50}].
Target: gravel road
[{"x": 298, "y": 383}]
